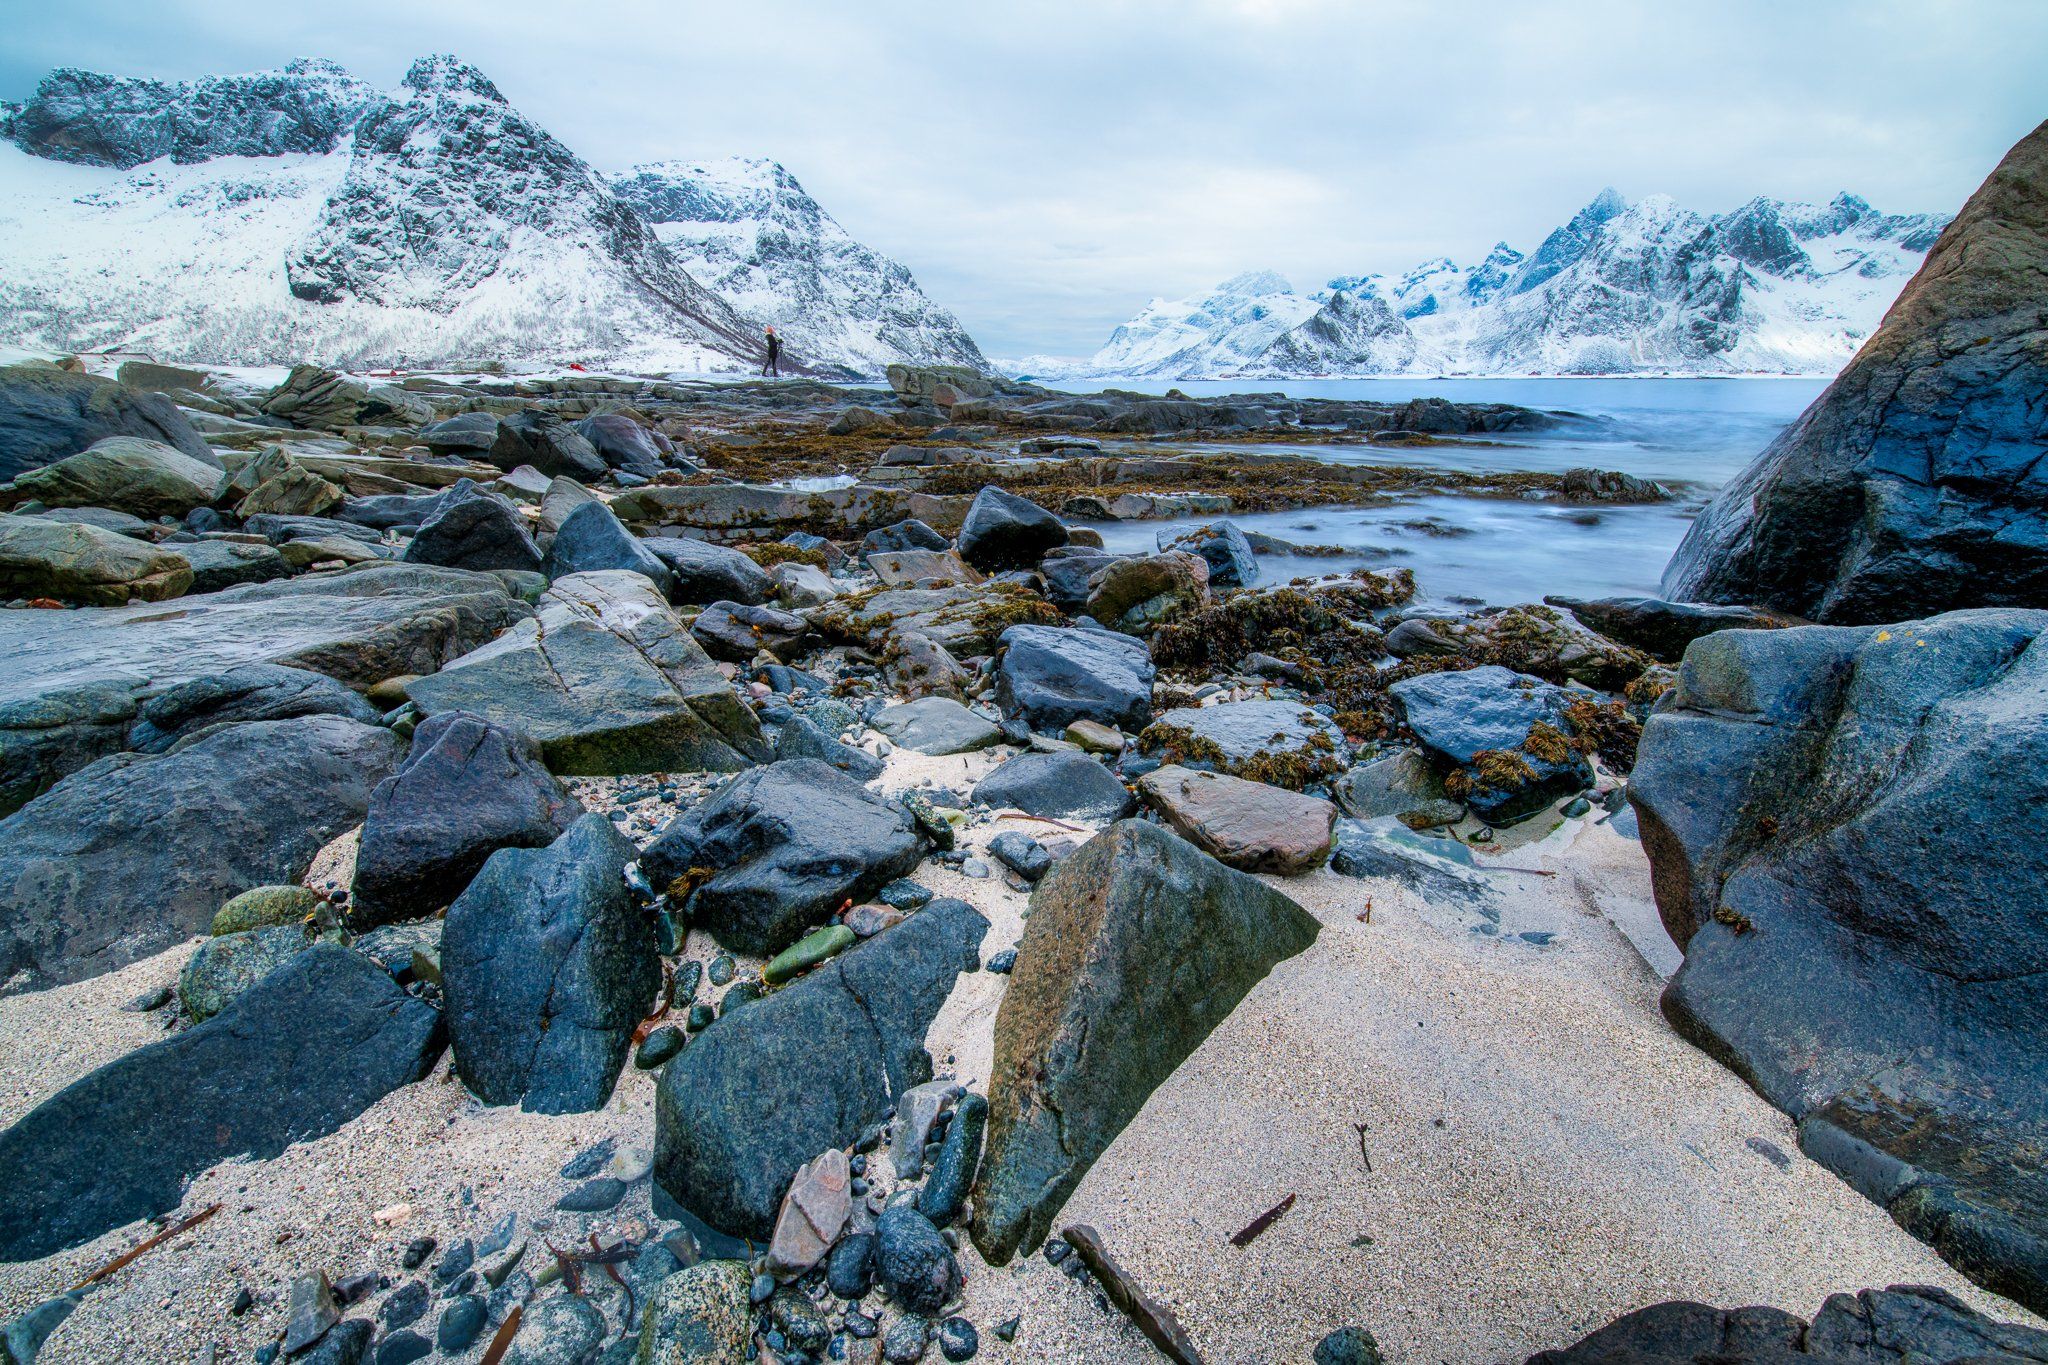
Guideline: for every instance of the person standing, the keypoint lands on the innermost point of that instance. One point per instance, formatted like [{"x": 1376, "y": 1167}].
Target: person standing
[{"x": 774, "y": 365}]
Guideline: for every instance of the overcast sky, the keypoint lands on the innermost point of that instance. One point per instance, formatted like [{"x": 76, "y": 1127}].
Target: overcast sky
[{"x": 1045, "y": 168}]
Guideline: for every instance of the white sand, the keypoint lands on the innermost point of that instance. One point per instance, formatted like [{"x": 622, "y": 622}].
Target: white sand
[{"x": 1545, "y": 1153}]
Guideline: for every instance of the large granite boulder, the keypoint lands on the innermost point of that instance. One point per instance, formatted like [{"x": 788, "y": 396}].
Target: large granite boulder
[
  {"x": 1508, "y": 735},
  {"x": 1066, "y": 785},
  {"x": 251, "y": 692},
  {"x": 129, "y": 474},
  {"x": 325, "y": 401},
  {"x": 1004, "y": 531},
  {"x": 1906, "y": 1323},
  {"x": 608, "y": 681},
  {"x": 706, "y": 573},
  {"x": 591, "y": 538},
  {"x": 1844, "y": 827},
  {"x": 768, "y": 1087},
  {"x": 467, "y": 789},
  {"x": 1137, "y": 946},
  {"x": 134, "y": 853},
  {"x": 47, "y": 414},
  {"x": 294, "y": 1057},
  {"x": 1281, "y": 742},
  {"x": 1915, "y": 484},
  {"x": 547, "y": 963},
  {"x": 1049, "y": 678},
  {"x": 546, "y": 442},
  {"x": 72, "y": 562},
  {"x": 359, "y": 626},
  {"x": 471, "y": 529},
  {"x": 783, "y": 846}
]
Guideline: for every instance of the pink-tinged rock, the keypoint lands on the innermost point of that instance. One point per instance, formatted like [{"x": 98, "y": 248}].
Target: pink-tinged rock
[
  {"x": 1246, "y": 825},
  {"x": 814, "y": 1212}
]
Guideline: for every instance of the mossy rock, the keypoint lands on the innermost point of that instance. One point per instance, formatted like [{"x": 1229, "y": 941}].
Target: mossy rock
[{"x": 265, "y": 906}]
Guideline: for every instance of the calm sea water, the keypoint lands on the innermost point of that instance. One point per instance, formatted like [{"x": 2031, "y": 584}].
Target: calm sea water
[{"x": 1694, "y": 434}]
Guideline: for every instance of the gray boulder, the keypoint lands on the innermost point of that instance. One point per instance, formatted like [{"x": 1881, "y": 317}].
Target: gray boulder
[
  {"x": 295, "y": 1057},
  {"x": 546, "y": 966},
  {"x": 736, "y": 632},
  {"x": 131, "y": 474},
  {"x": 622, "y": 443},
  {"x": 472, "y": 529},
  {"x": 767, "y": 1088},
  {"x": 546, "y": 442},
  {"x": 325, "y": 401},
  {"x": 908, "y": 534},
  {"x": 799, "y": 738},
  {"x": 1004, "y": 531},
  {"x": 135, "y": 852},
  {"x": 251, "y": 692},
  {"x": 1069, "y": 573},
  {"x": 1051, "y": 677},
  {"x": 1837, "y": 821},
  {"x": 1914, "y": 484},
  {"x": 1657, "y": 627},
  {"x": 937, "y": 725},
  {"x": 48, "y": 414},
  {"x": 1280, "y": 742},
  {"x": 1059, "y": 786},
  {"x": 51, "y": 736},
  {"x": 218, "y": 564},
  {"x": 592, "y": 538},
  {"x": 1136, "y": 947},
  {"x": 1222, "y": 546},
  {"x": 467, "y": 789},
  {"x": 83, "y": 565},
  {"x": 785, "y": 845},
  {"x": 1509, "y": 736},
  {"x": 706, "y": 573},
  {"x": 469, "y": 435}
]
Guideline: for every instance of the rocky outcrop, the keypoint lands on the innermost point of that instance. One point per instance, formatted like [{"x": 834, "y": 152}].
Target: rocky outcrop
[
  {"x": 1281, "y": 742},
  {"x": 810, "y": 1067},
  {"x": 47, "y": 414},
  {"x": 251, "y": 692},
  {"x": 1136, "y": 947},
  {"x": 1836, "y": 820},
  {"x": 129, "y": 474},
  {"x": 546, "y": 965},
  {"x": 68, "y": 561},
  {"x": 325, "y": 401},
  {"x": 296, "y": 1056},
  {"x": 1915, "y": 484}
]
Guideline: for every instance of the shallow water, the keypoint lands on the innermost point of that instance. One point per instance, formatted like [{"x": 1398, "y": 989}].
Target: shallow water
[{"x": 1694, "y": 434}]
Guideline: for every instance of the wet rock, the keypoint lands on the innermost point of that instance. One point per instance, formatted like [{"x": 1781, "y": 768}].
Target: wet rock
[
  {"x": 143, "y": 478},
  {"x": 806, "y": 953},
  {"x": 915, "y": 665},
  {"x": 1020, "y": 853},
  {"x": 699, "y": 1317},
  {"x": 850, "y": 1268},
  {"x": 591, "y": 538},
  {"x": 1280, "y": 742},
  {"x": 1220, "y": 545},
  {"x": 908, "y": 534},
  {"x": 1137, "y": 595},
  {"x": 801, "y": 739},
  {"x": 813, "y": 1213},
  {"x": 542, "y": 439},
  {"x": 1050, "y": 678},
  {"x": 1004, "y": 531},
  {"x": 785, "y": 846},
  {"x": 623, "y": 444},
  {"x": 135, "y": 852},
  {"x": 469, "y": 435},
  {"x": 1250, "y": 826},
  {"x": 1404, "y": 784},
  {"x": 937, "y": 725},
  {"x": 1509, "y": 735},
  {"x": 1813, "y": 802},
  {"x": 546, "y": 966},
  {"x": 462, "y": 1322},
  {"x": 736, "y": 632},
  {"x": 302, "y": 1052},
  {"x": 1095, "y": 1016},
  {"x": 84, "y": 565},
  {"x": 706, "y": 573},
  {"x": 228, "y": 964},
  {"x": 218, "y": 564},
  {"x": 1058, "y": 786},
  {"x": 1348, "y": 1346},
  {"x": 607, "y": 680},
  {"x": 467, "y": 789},
  {"x": 825, "y": 1056},
  {"x": 913, "y": 1262},
  {"x": 472, "y": 529},
  {"x": 958, "y": 1340},
  {"x": 1659, "y": 628},
  {"x": 47, "y": 415},
  {"x": 658, "y": 1047},
  {"x": 251, "y": 692},
  {"x": 944, "y": 1196}
]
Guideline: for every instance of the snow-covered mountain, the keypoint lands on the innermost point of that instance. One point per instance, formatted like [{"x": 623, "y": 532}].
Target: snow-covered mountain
[
  {"x": 745, "y": 227},
  {"x": 1649, "y": 287},
  {"x": 303, "y": 215}
]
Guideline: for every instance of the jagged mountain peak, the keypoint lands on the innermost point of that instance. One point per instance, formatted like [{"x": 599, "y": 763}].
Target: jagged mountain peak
[{"x": 444, "y": 73}]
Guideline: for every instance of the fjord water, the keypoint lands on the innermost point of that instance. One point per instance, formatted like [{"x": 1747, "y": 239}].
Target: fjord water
[{"x": 1692, "y": 435}]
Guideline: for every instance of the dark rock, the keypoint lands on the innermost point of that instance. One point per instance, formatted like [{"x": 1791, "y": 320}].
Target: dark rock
[
  {"x": 825, "y": 1056},
  {"x": 850, "y": 1266},
  {"x": 295, "y": 1057},
  {"x": 226, "y": 965},
  {"x": 472, "y": 529},
  {"x": 1115, "y": 931},
  {"x": 1222, "y": 546},
  {"x": 593, "y": 538},
  {"x": 658, "y": 1047},
  {"x": 958, "y": 1340},
  {"x": 945, "y": 1192},
  {"x": 786, "y": 845},
  {"x": 1069, "y": 572},
  {"x": 1002, "y": 963},
  {"x": 736, "y": 632},
  {"x": 905, "y": 895},
  {"x": 347, "y": 1344},
  {"x": 51, "y": 736},
  {"x": 546, "y": 966},
  {"x": 469, "y": 435},
  {"x": 937, "y": 725},
  {"x": 1657, "y": 627},
  {"x": 546, "y": 442},
  {"x": 1021, "y": 853},
  {"x": 1914, "y": 484},
  {"x": 1058, "y": 786},
  {"x": 135, "y": 852},
  {"x": 251, "y": 692},
  {"x": 402, "y": 1348},
  {"x": 218, "y": 564},
  {"x": 1004, "y": 531},
  {"x": 1348, "y": 1346},
  {"x": 1836, "y": 817},
  {"x": 704, "y": 573},
  {"x": 121, "y": 474},
  {"x": 467, "y": 789},
  {"x": 622, "y": 443},
  {"x": 1152, "y": 1317},
  {"x": 406, "y": 1305},
  {"x": 48, "y": 414},
  {"x": 1051, "y": 677},
  {"x": 1508, "y": 733},
  {"x": 913, "y": 1262},
  {"x": 801, "y": 739},
  {"x": 462, "y": 1322},
  {"x": 593, "y": 1196}
]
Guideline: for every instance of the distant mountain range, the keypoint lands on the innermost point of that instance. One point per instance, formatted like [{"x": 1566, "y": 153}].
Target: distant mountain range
[
  {"x": 305, "y": 215},
  {"x": 1642, "y": 288}
]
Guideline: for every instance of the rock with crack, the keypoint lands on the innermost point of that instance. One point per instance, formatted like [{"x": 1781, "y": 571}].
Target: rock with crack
[
  {"x": 778, "y": 850},
  {"x": 296, "y": 1056},
  {"x": 251, "y": 692},
  {"x": 1138, "y": 595},
  {"x": 806, "y": 1069},
  {"x": 546, "y": 966},
  {"x": 591, "y": 538},
  {"x": 607, "y": 680},
  {"x": 1049, "y": 678},
  {"x": 1223, "y": 547},
  {"x": 1137, "y": 946}
]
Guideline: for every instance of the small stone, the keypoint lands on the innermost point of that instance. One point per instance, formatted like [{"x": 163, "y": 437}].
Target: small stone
[
  {"x": 904, "y": 1343},
  {"x": 407, "y": 1305},
  {"x": 311, "y": 1311},
  {"x": 1578, "y": 806},
  {"x": 904, "y": 894},
  {"x": 658, "y": 1046},
  {"x": 761, "y": 1290},
  {"x": 499, "y": 1237},
  {"x": 416, "y": 1252},
  {"x": 812, "y": 1215},
  {"x": 945, "y": 1193},
  {"x": 850, "y": 1268},
  {"x": 958, "y": 1340},
  {"x": 458, "y": 1259},
  {"x": 1094, "y": 737},
  {"x": 868, "y": 920},
  {"x": 913, "y": 1261},
  {"x": 859, "y": 1325},
  {"x": 593, "y": 1196},
  {"x": 977, "y": 869},
  {"x": 590, "y": 1160},
  {"x": 807, "y": 952},
  {"x": 1006, "y": 1330},
  {"x": 701, "y": 1017},
  {"x": 722, "y": 969},
  {"x": 461, "y": 1323},
  {"x": 402, "y": 1348},
  {"x": 1021, "y": 853},
  {"x": 1348, "y": 1346},
  {"x": 1002, "y": 963}
]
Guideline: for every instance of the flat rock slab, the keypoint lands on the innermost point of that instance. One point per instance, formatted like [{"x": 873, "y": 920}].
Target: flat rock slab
[
  {"x": 1050, "y": 677},
  {"x": 135, "y": 852},
  {"x": 937, "y": 725},
  {"x": 1251, "y": 826},
  {"x": 296, "y": 1056},
  {"x": 1063, "y": 785},
  {"x": 359, "y": 626},
  {"x": 1136, "y": 947},
  {"x": 767, "y": 1088},
  {"x": 1269, "y": 741}
]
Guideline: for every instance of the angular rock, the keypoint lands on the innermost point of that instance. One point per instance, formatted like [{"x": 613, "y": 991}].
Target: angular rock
[
  {"x": 1058, "y": 786},
  {"x": 920, "y": 568},
  {"x": 48, "y": 414},
  {"x": 801, "y": 739},
  {"x": 784, "y": 845},
  {"x": 736, "y": 632},
  {"x": 472, "y": 529},
  {"x": 251, "y": 692},
  {"x": 135, "y": 852},
  {"x": 51, "y": 736},
  {"x": 1050, "y": 678},
  {"x": 323, "y": 400},
  {"x": 129, "y": 474},
  {"x": 293, "y": 491},
  {"x": 705, "y": 573},
  {"x": 908, "y": 534},
  {"x": 1404, "y": 784},
  {"x": 1280, "y": 742},
  {"x": 806, "y": 1069},
  {"x": 563, "y": 497},
  {"x": 916, "y": 665},
  {"x": 1509, "y": 735},
  {"x": 218, "y": 564},
  {"x": 81, "y": 564},
  {"x": 1836, "y": 820},
  {"x": 608, "y": 682},
  {"x": 813, "y": 1213},
  {"x": 699, "y": 1316},
  {"x": 936, "y": 725},
  {"x": 1659, "y": 628},
  {"x": 591, "y": 538},
  {"x": 546, "y": 442},
  {"x": 1220, "y": 545},
  {"x": 966, "y": 621},
  {"x": 1136, "y": 947},
  {"x": 1004, "y": 531},
  {"x": 802, "y": 585},
  {"x": 622, "y": 443},
  {"x": 469, "y": 435},
  {"x": 1246, "y": 825},
  {"x": 296, "y": 1056},
  {"x": 546, "y": 966},
  {"x": 1068, "y": 572},
  {"x": 467, "y": 789},
  {"x": 1021, "y": 853}
]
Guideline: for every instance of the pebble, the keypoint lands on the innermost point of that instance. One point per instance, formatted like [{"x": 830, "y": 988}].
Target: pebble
[
  {"x": 1579, "y": 806},
  {"x": 1021, "y": 853},
  {"x": 1006, "y": 1330},
  {"x": 1348, "y": 1346},
  {"x": 461, "y": 1323},
  {"x": 312, "y": 1311},
  {"x": 416, "y": 1252},
  {"x": 458, "y": 1259},
  {"x": 850, "y": 1266},
  {"x": 406, "y": 1306},
  {"x": 701, "y": 1017},
  {"x": 958, "y": 1340},
  {"x": 244, "y": 1301},
  {"x": 1004, "y": 962},
  {"x": 904, "y": 894},
  {"x": 593, "y": 1196},
  {"x": 1056, "y": 1251},
  {"x": 975, "y": 868},
  {"x": 499, "y": 1237},
  {"x": 722, "y": 969},
  {"x": 658, "y": 1046},
  {"x": 402, "y": 1348},
  {"x": 590, "y": 1160},
  {"x": 904, "y": 1342},
  {"x": 762, "y": 1290}
]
